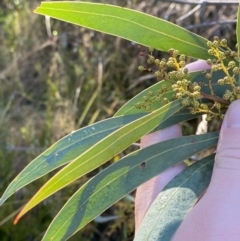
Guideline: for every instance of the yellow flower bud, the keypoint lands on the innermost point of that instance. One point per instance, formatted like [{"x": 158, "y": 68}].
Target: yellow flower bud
[
  {"x": 221, "y": 82},
  {"x": 223, "y": 42}
]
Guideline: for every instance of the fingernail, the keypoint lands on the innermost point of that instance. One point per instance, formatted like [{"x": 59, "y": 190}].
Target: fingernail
[{"x": 233, "y": 115}]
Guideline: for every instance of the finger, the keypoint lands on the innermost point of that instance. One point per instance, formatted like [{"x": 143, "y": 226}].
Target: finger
[
  {"x": 148, "y": 191},
  {"x": 216, "y": 217},
  {"x": 228, "y": 151}
]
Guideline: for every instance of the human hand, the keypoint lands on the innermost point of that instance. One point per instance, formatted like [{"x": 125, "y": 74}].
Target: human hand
[{"x": 217, "y": 215}]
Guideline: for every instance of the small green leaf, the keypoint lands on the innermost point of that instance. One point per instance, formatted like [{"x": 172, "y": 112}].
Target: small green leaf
[
  {"x": 175, "y": 201},
  {"x": 119, "y": 179},
  {"x": 66, "y": 150},
  {"x": 101, "y": 152},
  {"x": 129, "y": 24}
]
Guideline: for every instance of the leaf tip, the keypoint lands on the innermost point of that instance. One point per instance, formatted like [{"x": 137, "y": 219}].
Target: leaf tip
[{"x": 17, "y": 219}]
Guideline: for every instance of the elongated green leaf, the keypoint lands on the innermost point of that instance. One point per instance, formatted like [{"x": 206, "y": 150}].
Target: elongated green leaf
[
  {"x": 182, "y": 115},
  {"x": 175, "y": 201},
  {"x": 65, "y": 150},
  {"x": 121, "y": 178},
  {"x": 129, "y": 24},
  {"x": 103, "y": 151}
]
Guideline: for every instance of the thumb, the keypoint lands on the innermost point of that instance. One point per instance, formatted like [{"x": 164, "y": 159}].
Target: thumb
[
  {"x": 226, "y": 172},
  {"x": 228, "y": 150},
  {"x": 216, "y": 216}
]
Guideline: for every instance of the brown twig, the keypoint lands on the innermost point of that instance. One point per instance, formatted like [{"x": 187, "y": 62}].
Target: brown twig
[{"x": 214, "y": 98}]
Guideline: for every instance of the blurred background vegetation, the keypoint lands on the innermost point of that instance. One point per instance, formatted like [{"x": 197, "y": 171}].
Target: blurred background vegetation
[{"x": 56, "y": 78}]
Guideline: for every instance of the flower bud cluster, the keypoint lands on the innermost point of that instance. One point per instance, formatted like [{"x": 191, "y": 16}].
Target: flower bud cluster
[
  {"x": 228, "y": 95},
  {"x": 222, "y": 61},
  {"x": 151, "y": 98},
  {"x": 222, "y": 58}
]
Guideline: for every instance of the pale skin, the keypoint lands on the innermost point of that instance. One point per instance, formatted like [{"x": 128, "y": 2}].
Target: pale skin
[{"x": 216, "y": 216}]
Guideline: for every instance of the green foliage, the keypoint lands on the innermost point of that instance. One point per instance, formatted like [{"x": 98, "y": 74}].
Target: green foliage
[
  {"x": 175, "y": 201},
  {"x": 179, "y": 96},
  {"x": 121, "y": 178},
  {"x": 101, "y": 152}
]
